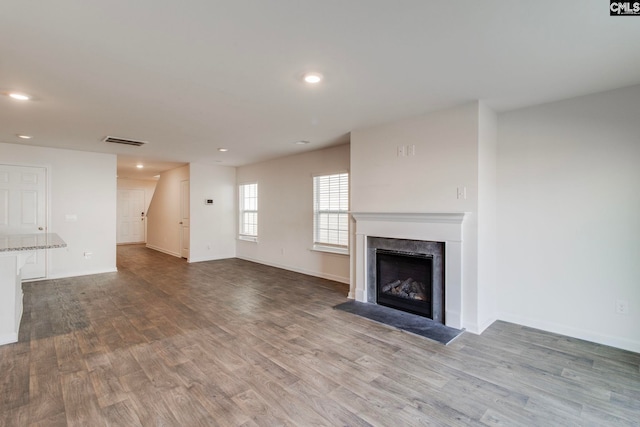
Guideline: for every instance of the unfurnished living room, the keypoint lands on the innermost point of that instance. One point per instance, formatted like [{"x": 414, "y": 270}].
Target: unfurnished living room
[{"x": 354, "y": 213}]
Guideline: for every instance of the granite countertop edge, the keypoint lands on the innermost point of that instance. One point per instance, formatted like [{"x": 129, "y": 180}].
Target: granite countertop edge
[{"x": 30, "y": 242}]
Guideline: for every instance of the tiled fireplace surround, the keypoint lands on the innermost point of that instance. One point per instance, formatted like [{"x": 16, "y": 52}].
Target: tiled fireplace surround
[{"x": 436, "y": 227}]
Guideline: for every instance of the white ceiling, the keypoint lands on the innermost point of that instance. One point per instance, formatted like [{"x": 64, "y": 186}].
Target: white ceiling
[{"x": 195, "y": 75}]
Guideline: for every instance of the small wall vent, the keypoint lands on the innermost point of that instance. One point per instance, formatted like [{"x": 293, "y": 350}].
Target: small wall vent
[{"x": 115, "y": 140}]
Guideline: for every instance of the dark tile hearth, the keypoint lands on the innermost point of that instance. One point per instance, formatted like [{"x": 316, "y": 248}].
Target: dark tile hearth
[{"x": 404, "y": 321}]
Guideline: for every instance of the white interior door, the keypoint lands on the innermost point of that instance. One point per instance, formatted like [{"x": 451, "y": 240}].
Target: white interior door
[
  {"x": 184, "y": 220},
  {"x": 130, "y": 227},
  {"x": 23, "y": 210}
]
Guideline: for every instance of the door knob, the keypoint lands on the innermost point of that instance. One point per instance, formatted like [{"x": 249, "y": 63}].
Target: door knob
[
  {"x": 40, "y": 228},
  {"x": 180, "y": 222}
]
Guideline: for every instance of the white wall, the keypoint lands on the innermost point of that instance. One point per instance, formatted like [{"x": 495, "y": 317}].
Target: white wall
[
  {"x": 285, "y": 218},
  {"x": 81, "y": 184},
  {"x": 487, "y": 215},
  {"x": 569, "y": 217},
  {"x": 446, "y": 158},
  {"x": 163, "y": 216},
  {"x": 213, "y": 227}
]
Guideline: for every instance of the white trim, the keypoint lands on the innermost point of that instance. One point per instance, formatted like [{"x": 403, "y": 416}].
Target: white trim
[
  {"x": 428, "y": 226},
  {"x": 156, "y": 248},
  {"x": 81, "y": 273},
  {"x": 8, "y": 338},
  {"x": 241, "y": 210},
  {"x": 321, "y": 275},
  {"x": 446, "y": 217},
  {"x": 322, "y": 189},
  {"x": 557, "y": 328},
  {"x": 313, "y": 175},
  {"x": 210, "y": 258},
  {"x": 476, "y": 328},
  {"x": 330, "y": 250}
]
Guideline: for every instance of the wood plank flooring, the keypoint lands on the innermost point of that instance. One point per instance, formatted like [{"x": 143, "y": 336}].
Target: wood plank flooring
[{"x": 233, "y": 343}]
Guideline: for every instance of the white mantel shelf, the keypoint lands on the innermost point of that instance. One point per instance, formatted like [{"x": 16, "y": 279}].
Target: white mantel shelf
[{"x": 447, "y": 217}]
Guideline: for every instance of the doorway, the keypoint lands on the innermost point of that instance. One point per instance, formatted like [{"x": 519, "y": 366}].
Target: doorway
[
  {"x": 184, "y": 219},
  {"x": 130, "y": 227},
  {"x": 23, "y": 210}
]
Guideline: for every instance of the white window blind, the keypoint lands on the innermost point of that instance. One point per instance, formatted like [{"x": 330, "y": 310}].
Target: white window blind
[
  {"x": 331, "y": 210},
  {"x": 248, "y": 211}
]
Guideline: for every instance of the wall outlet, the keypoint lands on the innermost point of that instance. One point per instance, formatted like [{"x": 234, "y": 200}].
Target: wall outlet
[
  {"x": 87, "y": 255},
  {"x": 622, "y": 306},
  {"x": 406, "y": 150},
  {"x": 462, "y": 193}
]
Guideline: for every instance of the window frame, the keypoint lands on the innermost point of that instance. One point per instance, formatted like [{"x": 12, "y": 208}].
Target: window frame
[
  {"x": 242, "y": 202},
  {"x": 323, "y": 245}
]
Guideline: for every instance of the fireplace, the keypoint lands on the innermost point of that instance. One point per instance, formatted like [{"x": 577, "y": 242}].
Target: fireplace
[
  {"x": 435, "y": 234},
  {"x": 407, "y": 275},
  {"x": 404, "y": 281}
]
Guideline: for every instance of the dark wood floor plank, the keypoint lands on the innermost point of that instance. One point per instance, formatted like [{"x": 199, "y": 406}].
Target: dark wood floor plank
[
  {"x": 45, "y": 396},
  {"x": 81, "y": 406},
  {"x": 121, "y": 413},
  {"x": 14, "y": 382},
  {"x": 233, "y": 343}
]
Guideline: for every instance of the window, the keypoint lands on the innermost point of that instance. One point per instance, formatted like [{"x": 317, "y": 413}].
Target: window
[
  {"x": 248, "y": 204},
  {"x": 331, "y": 212}
]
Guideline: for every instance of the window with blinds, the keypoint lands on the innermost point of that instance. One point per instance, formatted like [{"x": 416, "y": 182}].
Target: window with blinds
[
  {"x": 331, "y": 211},
  {"x": 248, "y": 207}
]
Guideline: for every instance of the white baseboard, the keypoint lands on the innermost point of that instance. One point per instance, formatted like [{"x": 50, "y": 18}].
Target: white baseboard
[
  {"x": 80, "y": 273},
  {"x": 212, "y": 258},
  {"x": 8, "y": 338},
  {"x": 300, "y": 270},
  {"x": 486, "y": 324},
  {"x": 452, "y": 314},
  {"x": 164, "y": 251},
  {"x": 618, "y": 342}
]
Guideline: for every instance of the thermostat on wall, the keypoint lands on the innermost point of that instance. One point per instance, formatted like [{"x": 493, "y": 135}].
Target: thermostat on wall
[{"x": 208, "y": 201}]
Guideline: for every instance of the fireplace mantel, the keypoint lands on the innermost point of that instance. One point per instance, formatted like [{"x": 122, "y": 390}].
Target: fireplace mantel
[
  {"x": 447, "y": 217},
  {"x": 428, "y": 226}
]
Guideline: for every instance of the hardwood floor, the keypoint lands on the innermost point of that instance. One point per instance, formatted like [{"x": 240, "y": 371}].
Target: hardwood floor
[{"x": 233, "y": 343}]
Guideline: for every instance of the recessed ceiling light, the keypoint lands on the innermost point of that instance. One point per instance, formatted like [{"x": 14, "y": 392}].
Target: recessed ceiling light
[
  {"x": 24, "y": 136},
  {"x": 139, "y": 165},
  {"x": 301, "y": 142},
  {"x": 312, "y": 78},
  {"x": 19, "y": 96},
  {"x": 222, "y": 150}
]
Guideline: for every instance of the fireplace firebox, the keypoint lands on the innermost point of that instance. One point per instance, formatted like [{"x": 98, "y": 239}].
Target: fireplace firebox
[
  {"x": 404, "y": 281},
  {"x": 407, "y": 275}
]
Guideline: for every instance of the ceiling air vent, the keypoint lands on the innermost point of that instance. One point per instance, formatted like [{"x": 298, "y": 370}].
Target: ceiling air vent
[{"x": 124, "y": 141}]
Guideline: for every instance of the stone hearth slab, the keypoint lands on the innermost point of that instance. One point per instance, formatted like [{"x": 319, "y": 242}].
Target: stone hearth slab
[{"x": 404, "y": 321}]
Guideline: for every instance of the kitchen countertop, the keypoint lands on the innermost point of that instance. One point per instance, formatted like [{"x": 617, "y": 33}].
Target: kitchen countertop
[{"x": 30, "y": 242}]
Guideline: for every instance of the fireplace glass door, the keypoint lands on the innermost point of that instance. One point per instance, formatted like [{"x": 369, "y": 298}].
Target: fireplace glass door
[{"x": 404, "y": 281}]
